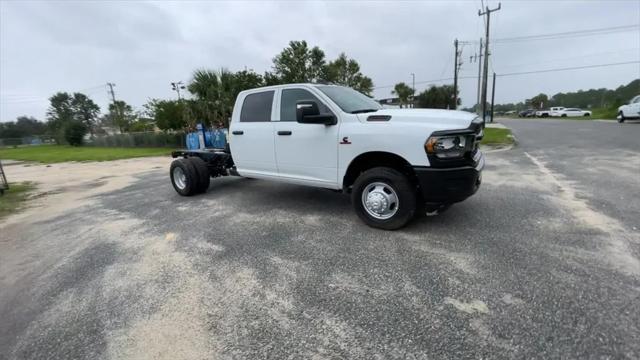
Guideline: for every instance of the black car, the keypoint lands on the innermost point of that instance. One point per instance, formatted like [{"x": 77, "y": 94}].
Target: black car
[{"x": 527, "y": 113}]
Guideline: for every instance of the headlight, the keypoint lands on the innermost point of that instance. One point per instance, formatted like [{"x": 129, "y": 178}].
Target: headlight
[{"x": 447, "y": 146}]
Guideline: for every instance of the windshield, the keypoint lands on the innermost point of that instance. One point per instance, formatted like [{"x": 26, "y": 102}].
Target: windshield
[{"x": 349, "y": 100}]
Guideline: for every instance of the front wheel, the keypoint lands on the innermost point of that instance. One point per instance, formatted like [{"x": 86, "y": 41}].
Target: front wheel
[
  {"x": 620, "y": 117},
  {"x": 384, "y": 198}
]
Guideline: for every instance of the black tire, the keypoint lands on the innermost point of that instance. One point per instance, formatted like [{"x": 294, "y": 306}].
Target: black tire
[
  {"x": 620, "y": 117},
  {"x": 189, "y": 185},
  {"x": 586, "y": 114},
  {"x": 202, "y": 171},
  {"x": 563, "y": 115},
  {"x": 399, "y": 183}
]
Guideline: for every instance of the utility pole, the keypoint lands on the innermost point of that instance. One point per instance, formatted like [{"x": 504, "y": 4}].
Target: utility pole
[
  {"x": 487, "y": 12},
  {"x": 493, "y": 94},
  {"x": 115, "y": 105},
  {"x": 479, "y": 76},
  {"x": 176, "y": 86},
  {"x": 413, "y": 86},
  {"x": 113, "y": 96},
  {"x": 455, "y": 76}
]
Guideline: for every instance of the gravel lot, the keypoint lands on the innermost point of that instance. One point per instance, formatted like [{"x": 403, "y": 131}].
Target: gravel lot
[{"x": 543, "y": 262}]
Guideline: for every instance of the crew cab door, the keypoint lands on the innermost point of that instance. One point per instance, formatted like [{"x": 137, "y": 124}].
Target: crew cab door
[
  {"x": 251, "y": 135},
  {"x": 305, "y": 153}
]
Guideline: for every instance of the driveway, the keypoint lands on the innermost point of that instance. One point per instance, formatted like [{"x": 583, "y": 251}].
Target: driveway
[{"x": 543, "y": 262}]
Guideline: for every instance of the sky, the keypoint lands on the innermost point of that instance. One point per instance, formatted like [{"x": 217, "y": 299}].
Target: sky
[{"x": 79, "y": 46}]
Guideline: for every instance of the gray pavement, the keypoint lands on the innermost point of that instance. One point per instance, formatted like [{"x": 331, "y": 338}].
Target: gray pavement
[{"x": 541, "y": 263}]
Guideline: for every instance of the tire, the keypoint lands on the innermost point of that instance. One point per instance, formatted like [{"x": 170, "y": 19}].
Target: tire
[
  {"x": 385, "y": 182},
  {"x": 620, "y": 117},
  {"x": 202, "y": 171},
  {"x": 184, "y": 177},
  {"x": 563, "y": 115},
  {"x": 586, "y": 114}
]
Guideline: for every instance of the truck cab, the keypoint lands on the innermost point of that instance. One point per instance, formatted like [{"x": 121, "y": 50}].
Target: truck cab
[{"x": 393, "y": 162}]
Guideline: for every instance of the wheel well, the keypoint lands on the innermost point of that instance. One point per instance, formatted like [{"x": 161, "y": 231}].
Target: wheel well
[{"x": 366, "y": 161}]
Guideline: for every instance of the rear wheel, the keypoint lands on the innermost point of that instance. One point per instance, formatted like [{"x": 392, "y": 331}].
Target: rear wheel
[
  {"x": 620, "y": 117},
  {"x": 586, "y": 114},
  {"x": 384, "y": 198},
  {"x": 563, "y": 115},
  {"x": 202, "y": 170},
  {"x": 183, "y": 177}
]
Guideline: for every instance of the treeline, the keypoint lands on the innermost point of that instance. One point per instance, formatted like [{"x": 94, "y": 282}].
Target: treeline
[{"x": 589, "y": 99}]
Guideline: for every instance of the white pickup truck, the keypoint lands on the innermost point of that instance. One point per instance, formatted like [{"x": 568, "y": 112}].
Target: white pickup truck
[{"x": 393, "y": 162}]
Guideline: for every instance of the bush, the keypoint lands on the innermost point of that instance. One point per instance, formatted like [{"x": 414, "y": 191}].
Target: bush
[{"x": 74, "y": 133}]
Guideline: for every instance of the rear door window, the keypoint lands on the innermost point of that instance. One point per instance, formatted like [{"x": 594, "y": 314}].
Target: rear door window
[{"x": 257, "y": 107}]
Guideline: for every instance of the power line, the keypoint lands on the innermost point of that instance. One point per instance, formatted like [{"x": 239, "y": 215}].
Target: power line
[
  {"x": 570, "y": 68},
  {"x": 566, "y": 34},
  {"x": 599, "y": 31}
]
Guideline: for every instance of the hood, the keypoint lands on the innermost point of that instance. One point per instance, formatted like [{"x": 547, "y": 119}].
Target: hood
[{"x": 447, "y": 119}]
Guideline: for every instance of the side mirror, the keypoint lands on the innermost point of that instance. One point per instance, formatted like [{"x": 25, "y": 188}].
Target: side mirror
[{"x": 308, "y": 112}]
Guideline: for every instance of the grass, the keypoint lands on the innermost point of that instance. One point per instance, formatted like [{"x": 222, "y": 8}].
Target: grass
[
  {"x": 605, "y": 113},
  {"x": 59, "y": 153},
  {"x": 14, "y": 198},
  {"x": 497, "y": 136}
]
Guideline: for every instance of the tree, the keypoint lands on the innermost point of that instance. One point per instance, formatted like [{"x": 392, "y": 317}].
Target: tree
[
  {"x": 74, "y": 132},
  {"x": 299, "y": 64},
  {"x": 167, "y": 114},
  {"x": 85, "y": 111},
  {"x": 345, "y": 71},
  {"x": 403, "y": 92},
  {"x": 60, "y": 111},
  {"x": 539, "y": 101},
  {"x": 23, "y": 126},
  {"x": 121, "y": 115},
  {"x": 216, "y": 93},
  {"x": 437, "y": 97}
]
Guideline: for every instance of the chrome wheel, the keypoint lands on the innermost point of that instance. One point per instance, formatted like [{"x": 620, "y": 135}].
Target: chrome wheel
[
  {"x": 179, "y": 178},
  {"x": 380, "y": 200}
]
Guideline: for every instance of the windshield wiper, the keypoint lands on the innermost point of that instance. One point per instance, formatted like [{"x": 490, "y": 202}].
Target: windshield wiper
[{"x": 364, "y": 111}]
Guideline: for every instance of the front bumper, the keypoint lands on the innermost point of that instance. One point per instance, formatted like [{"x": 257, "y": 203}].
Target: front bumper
[{"x": 450, "y": 185}]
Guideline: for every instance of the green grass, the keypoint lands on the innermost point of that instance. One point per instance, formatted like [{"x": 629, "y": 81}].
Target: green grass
[
  {"x": 605, "y": 113},
  {"x": 14, "y": 198},
  {"x": 59, "y": 153},
  {"x": 497, "y": 136}
]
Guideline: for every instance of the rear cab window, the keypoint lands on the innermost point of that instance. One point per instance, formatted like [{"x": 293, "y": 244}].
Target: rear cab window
[{"x": 256, "y": 107}]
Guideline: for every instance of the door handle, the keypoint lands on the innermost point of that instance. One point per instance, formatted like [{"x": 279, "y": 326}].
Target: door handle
[
  {"x": 237, "y": 132},
  {"x": 284, "y": 132}
]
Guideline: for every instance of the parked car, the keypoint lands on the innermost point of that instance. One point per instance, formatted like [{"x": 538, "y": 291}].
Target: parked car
[
  {"x": 527, "y": 113},
  {"x": 510, "y": 112},
  {"x": 556, "y": 111},
  {"x": 391, "y": 161},
  {"x": 573, "y": 112},
  {"x": 629, "y": 111},
  {"x": 543, "y": 113}
]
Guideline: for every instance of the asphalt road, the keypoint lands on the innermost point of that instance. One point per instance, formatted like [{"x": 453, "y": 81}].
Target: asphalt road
[{"x": 543, "y": 262}]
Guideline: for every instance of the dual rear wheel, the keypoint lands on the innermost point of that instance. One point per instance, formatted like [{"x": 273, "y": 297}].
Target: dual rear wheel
[{"x": 189, "y": 176}]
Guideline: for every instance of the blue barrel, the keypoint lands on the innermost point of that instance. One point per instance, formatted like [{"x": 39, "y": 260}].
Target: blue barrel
[{"x": 193, "y": 143}]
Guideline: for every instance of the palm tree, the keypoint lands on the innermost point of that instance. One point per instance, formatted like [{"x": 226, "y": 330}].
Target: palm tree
[
  {"x": 216, "y": 92},
  {"x": 403, "y": 92}
]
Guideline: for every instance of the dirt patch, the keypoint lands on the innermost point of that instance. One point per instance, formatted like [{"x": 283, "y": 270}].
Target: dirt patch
[{"x": 65, "y": 186}]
